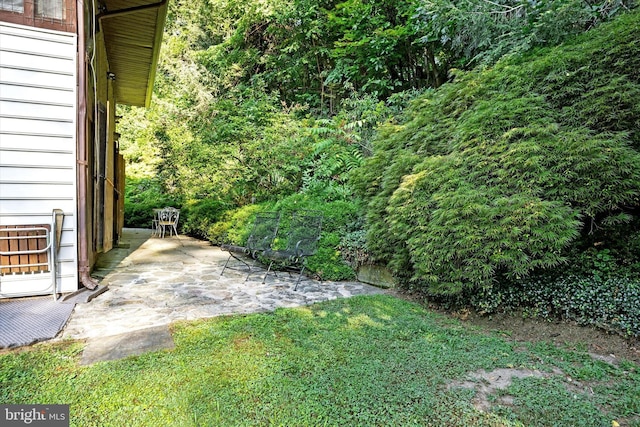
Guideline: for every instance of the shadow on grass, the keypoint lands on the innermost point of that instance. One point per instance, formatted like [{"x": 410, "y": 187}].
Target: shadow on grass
[{"x": 374, "y": 360}]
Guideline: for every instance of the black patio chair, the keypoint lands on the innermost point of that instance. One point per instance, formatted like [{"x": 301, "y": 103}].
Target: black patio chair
[
  {"x": 301, "y": 242},
  {"x": 265, "y": 228}
]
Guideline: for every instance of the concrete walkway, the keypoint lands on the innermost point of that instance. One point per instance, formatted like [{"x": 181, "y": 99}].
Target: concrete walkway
[{"x": 153, "y": 282}]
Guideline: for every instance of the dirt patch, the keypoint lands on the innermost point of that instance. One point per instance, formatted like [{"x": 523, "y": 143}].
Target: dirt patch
[
  {"x": 600, "y": 344},
  {"x": 486, "y": 384}
]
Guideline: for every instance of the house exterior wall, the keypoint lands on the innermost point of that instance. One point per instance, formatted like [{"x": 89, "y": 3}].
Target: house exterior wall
[
  {"x": 58, "y": 145},
  {"x": 38, "y": 113}
]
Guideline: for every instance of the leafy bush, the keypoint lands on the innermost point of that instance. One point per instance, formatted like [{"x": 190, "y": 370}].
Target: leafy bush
[
  {"x": 610, "y": 252},
  {"x": 198, "y": 216},
  {"x": 482, "y": 32},
  {"x": 234, "y": 226},
  {"x": 353, "y": 247},
  {"x": 142, "y": 195},
  {"x": 497, "y": 175},
  {"x": 328, "y": 263},
  {"x": 609, "y": 303},
  {"x": 338, "y": 217}
]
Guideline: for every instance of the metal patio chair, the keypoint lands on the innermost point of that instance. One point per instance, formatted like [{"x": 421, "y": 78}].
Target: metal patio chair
[
  {"x": 302, "y": 240},
  {"x": 168, "y": 218},
  {"x": 264, "y": 230}
]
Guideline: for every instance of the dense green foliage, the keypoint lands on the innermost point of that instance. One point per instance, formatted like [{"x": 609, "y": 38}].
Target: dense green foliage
[
  {"x": 518, "y": 155},
  {"x": 504, "y": 170},
  {"x": 607, "y": 302},
  {"x": 600, "y": 287},
  {"x": 142, "y": 196},
  {"x": 471, "y": 32},
  {"x": 363, "y": 361},
  {"x": 318, "y": 53}
]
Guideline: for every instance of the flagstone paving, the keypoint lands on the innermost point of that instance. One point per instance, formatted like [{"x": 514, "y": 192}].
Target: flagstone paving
[{"x": 153, "y": 282}]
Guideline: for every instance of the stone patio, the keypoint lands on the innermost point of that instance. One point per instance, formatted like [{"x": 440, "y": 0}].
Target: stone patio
[{"x": 153, "y": 282}]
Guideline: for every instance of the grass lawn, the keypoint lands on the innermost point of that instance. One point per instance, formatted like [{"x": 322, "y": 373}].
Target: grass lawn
[{"x": 374, "y": 360}]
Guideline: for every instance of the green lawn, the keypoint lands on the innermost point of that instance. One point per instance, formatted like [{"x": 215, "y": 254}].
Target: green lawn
[{"x": 375, "y": 360}]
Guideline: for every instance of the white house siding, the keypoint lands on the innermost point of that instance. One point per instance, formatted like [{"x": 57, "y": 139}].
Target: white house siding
[{"x": 38, "y": 145}]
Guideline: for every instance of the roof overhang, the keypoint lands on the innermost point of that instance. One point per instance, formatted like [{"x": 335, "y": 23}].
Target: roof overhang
[{"x": 132, "y": 33}]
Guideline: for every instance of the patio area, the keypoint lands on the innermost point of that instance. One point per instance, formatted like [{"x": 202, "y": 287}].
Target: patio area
[{"x": 155, "y": 281}]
